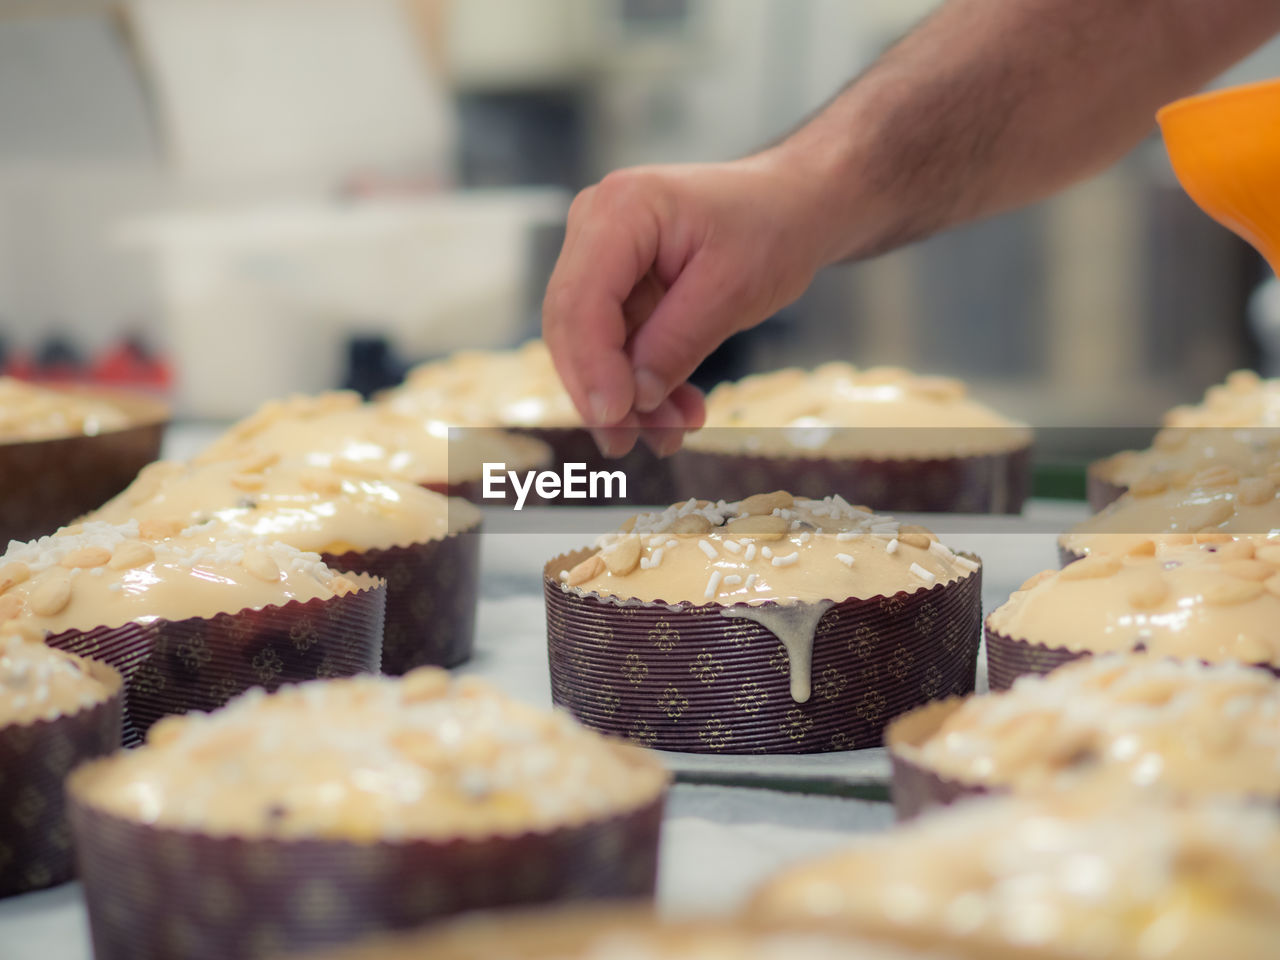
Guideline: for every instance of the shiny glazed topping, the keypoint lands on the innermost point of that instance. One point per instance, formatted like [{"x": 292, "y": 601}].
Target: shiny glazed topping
[
  {"x": 1177, "y": 455},
  {"x": 312, "y": 508},
  {"x": 39, "y": 683},
  {"x": 1124, "y": 721},
  {"x": 1243, "y": 400},
  {"x": 795, "y": 411},
  {"x": 767, "y": 547},
  {"x": 337, "y": 430},
  {"x": 1072, "y": 875},
  {"x": 372, "y": 758},
  {"x": 98, "y": 574},
  {"x": 30, "y": 412},
  {"x": 597, "y": 934},
  {"x": 1216, "y": 500},
  {"x": 1214, "y": 602},
  {"x": 488, "y": 388}
]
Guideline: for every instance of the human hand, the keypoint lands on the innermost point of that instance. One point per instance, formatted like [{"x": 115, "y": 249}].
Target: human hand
[{"x": 660, "y": 265}]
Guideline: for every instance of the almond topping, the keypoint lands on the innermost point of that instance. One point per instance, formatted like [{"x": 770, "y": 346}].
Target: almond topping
[
  {"x": 1272, "y": 585},
  {"x": 763, "y": 504},
  {"x": 153, "y": 528},
  {"x": 588, "y": 569},
  {"x": 423, "y": 684},
  {"x": 1144, "y": 548},
  {"x": 1268, "y": 554},
  {"x": 261, "y": 565},
  {"x": 1234, "y": 549},
  {"x": 320, "y": 481},
  {"x": 12, "y": 574},
  {"x": 1249, "y": 569},
  {"x": 1091, "y": 568},
  {"x": 1255, "y": 491},
  {"x": 50, "y": 597},
  {"x": 11, "y": 606},
  {"x": 130, "y": 554},
  {"x": 690, "y": 523},
  {"x": 623, "y": 557},
  {"x": 1229, "y": 592},
  {"x": 1218, "y": 475},
  {"x": 918, "y": 540},
  {"x": 248, "y": 482},
  {"x": 257, "y": 462},
  {"x": 1149, "y": 592},
  {"x": 1252, "y": 649},
  {"x": 759, "y": 527},
  {"x": 86, "y": 558},
  {"x": 1149, "y": 486}
]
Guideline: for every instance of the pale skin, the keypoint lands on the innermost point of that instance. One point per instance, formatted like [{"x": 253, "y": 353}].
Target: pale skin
[{"x": 988, "y": 105}]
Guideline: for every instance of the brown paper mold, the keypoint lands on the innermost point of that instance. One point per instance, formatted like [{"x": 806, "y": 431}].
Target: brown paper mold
[
  {"x": 165, "y": 894},
  {"x": 35, "y": 759},
  {"x": 48, "y": 483},
  {"x": 173, "y": 666},
  {"x": 684, "y": 677},
  {"x": 994, "y": 483},
  {"x": 432, "y": 591},
  {"x": 915, "y": 787}
]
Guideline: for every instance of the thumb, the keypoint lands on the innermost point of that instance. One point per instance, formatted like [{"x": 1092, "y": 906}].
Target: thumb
[{"x": 702, "y": 309}]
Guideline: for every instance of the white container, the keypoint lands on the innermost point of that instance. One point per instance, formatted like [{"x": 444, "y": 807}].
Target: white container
[{"x": 258, "y": 302}]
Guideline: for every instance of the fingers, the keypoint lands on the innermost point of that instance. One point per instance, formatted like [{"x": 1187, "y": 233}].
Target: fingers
[
  {"x": 700, "y": 311},
  {"x": 611, "y": 242}
]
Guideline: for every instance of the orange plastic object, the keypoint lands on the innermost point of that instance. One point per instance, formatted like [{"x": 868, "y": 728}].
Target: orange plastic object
[{"x": 1225, "y": 148}]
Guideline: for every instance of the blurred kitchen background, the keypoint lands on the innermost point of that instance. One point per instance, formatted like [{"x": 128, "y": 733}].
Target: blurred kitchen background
[{"x": 233, "y": 199}]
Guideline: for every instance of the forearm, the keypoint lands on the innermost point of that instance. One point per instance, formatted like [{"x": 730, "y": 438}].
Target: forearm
[{"x": 991, "y": 104}]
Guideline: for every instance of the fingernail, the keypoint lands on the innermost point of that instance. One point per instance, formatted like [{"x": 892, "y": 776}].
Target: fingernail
[
  {"x": 650, "y": 391},
  {"x": 599, "y": 405}
]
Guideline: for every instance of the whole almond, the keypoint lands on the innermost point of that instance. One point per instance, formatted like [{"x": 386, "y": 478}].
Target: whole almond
[
  {"x": 588, "y": 569},
  {"x": 690, "y": 523},
  {"x": 760, "y": 527},
  {"x": 918, "y": 540},
  {"x": 1148, "y": 592},
  {"x": 50, "y": 597},
  {"x": 321, "y": 481},
  {"x": 1090, "y": 568},
  {"x": 423, "y": 684},
  {"x": 623, "y": 557},
  {"x": 86, "y": 558},
  {"x": 248, "y": 482},
  {"x": 1249, "y": 569},
  {"x": 1143, "y": 548},
  {"x": 765, "y": 503},
  {"x": 155, "y": 528},
  {"x": 261, "y": 565},
  {"x": 12, "y": 574},
  {"x": 1227, "y": 593},
  {"x": 130, "y": 554},
  {"x": 1255, "y": 491}
]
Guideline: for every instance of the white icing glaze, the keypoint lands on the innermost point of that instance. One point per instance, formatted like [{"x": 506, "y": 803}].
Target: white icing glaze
[{"x": 795, "y": 626}]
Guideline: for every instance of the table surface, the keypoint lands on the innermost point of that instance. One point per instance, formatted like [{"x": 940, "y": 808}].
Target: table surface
[{"x": 731, "y": 821}]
